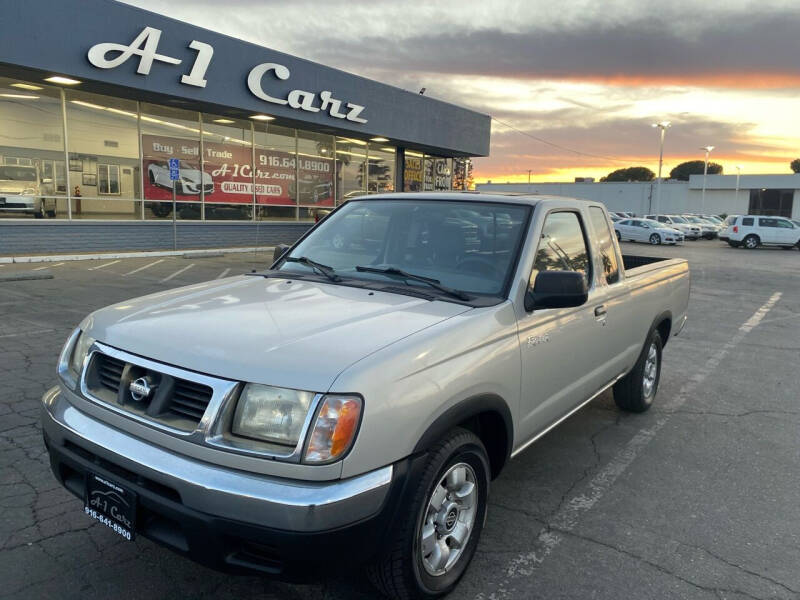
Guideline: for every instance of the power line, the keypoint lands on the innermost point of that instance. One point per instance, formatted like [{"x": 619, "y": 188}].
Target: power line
[{"x": 554, "y": 145}]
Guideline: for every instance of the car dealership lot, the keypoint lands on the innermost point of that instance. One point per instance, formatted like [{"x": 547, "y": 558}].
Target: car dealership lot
[{"x": 694, "y": 499}]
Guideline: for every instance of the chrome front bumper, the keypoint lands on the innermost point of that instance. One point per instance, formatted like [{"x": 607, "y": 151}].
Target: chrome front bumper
[{"x": 286, "y": 504}]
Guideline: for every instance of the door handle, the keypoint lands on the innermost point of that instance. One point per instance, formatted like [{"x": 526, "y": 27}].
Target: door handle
[{"x": 600, "y": 311}]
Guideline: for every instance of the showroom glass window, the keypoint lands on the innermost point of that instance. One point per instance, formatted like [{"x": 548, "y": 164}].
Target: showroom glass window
[
  {"x": 32, "y": 135},
  {"x": 351, "y": 169},
  {"x": 172, "y": 133},
  {"x": 228, "y": 161},
  {"x": 275, "y": 171},
  {"x": 412, "y": 174},
  {"x": 104, "y": 162},
  {"x": 315, "y": 174},
  {"x": 562, "y": 246},
  {"x": 381, "y": 169}
]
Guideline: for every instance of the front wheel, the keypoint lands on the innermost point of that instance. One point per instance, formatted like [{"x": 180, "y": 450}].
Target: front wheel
[
  {"x": 655, "y": 239},
  {"x": 434, "y": 540},
  {"x": 636, "y": 391}
]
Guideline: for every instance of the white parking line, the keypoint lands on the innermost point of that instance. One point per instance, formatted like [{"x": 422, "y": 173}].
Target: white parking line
[
  {"x": 221, "y": 275},
  {"x": 47, "y": 267},
  {"x": 566, "y": 519},
  {"x": 152, "y": 264},
  {"x": 176, "y": 273},
  {"x": 113, "y": 262}
]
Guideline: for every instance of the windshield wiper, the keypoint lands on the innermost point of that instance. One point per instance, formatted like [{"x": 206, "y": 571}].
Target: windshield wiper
[
  {"x": 434, "y": 283},
  {"x": 319, "y": 267}
]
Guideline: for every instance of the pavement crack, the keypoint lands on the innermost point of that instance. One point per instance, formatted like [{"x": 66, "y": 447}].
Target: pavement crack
[{"x": 662, "y": 569}]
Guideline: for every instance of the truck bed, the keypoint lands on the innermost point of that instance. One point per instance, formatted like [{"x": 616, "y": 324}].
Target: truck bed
[{"x": 630, "y": 261}]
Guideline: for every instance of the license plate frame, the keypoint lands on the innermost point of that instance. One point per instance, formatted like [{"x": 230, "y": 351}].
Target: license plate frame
[{"x": 111, "y": 504}]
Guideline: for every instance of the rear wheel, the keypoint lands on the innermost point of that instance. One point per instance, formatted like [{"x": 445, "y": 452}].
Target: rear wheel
[
  {"x": 435, "y": 539},
  {"x": 751, "y": 242},
  {"x": 655, "y": 239},
  {"x": 636, "y": 391}
]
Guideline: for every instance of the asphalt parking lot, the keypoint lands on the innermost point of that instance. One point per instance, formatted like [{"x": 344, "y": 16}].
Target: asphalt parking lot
[{"x": 697, "y": 498}]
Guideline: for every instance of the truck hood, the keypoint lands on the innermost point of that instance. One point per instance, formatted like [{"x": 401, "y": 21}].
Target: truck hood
[{"x": 296, "y": 334}]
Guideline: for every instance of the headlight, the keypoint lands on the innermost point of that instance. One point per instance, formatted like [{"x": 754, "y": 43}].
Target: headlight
[
  {"x": 334, "y": 429},
  {"x": 270, "y": 414},
  {"x": 72, "y": 356},
  {"x": 79, "y": 353}
]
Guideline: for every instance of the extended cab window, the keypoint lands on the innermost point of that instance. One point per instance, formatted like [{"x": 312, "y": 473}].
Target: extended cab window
[
  {"x": 604, "y": 244},
  {"x": 562, "y": 246}
]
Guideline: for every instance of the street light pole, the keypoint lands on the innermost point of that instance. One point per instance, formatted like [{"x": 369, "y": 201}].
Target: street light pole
[
  {"x": 708, "y": 150},
  {"x": 662, "y": 126},
  {"x": 529, "y": 176},
  {"x": 738, "y": 174}
]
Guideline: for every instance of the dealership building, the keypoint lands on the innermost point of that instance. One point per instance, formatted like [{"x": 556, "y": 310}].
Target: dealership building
[
  {"x": 777, "y": 195},
  {"x": 96, "y": 97}
]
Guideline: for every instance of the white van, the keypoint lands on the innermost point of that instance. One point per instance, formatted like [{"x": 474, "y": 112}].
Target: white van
[{"x": 752, "y": 231}]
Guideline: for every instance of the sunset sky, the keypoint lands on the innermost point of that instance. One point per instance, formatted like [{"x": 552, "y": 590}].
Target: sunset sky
[{"x": 589, "y": 77}]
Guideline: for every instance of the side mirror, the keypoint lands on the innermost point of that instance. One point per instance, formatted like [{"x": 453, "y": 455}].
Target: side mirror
[
  {"x": 279, "y": 251},
  {"x": 557, "y": 289}
]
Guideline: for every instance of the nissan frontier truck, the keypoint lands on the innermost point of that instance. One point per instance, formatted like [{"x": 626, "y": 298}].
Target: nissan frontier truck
[{"x": 351, "y": 404}]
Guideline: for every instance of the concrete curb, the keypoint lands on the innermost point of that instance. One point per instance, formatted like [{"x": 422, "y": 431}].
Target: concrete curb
[
  {"x": 207, "y": 253},
  {"x": 25, "y": 275}
]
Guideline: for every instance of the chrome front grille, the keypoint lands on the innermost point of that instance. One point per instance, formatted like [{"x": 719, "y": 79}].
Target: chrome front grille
[{"x": 175, "y": 398}]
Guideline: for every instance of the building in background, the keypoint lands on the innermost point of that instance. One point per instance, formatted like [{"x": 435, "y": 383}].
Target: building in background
[
  {"x": 756, "y": 194},
  {"x": 97, "y": 96}
]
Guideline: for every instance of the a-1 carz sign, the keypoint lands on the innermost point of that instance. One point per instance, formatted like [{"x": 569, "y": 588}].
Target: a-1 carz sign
[
  {"x": 109, "y": 55},
  {"x": 227, "y": 173}
]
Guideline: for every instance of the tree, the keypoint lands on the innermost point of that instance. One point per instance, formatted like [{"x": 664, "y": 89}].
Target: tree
[
  {"x": 795, "y": 165},
  {"x": 630, "y": 174},
  {"x": 693, "y": 167}
]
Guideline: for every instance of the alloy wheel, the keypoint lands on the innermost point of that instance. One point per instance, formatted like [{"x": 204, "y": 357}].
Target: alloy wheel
[
  {"x": 650, "y": 371},
  {"x": 448, "y": 520}
]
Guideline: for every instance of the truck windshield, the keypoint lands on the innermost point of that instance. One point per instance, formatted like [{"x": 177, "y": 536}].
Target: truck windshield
[
  {"x": 462, "y": 246},
  {"x": 14, "y": 173}
]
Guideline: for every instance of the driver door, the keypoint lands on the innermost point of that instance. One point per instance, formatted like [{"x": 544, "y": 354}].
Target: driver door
[{"x": 561, "y": 348}]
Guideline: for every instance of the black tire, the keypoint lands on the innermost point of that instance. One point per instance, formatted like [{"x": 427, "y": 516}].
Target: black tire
[
  {"x": 630, "y": 392},
  {"x": 751, "y": 242},
  {"x": 51, "y": 214},
  {"x": 399, "y": 572},
  {"x": 619, "y": 237},
  {"x": 655, "y": 239},
  {"x": 39, "y": 214}
]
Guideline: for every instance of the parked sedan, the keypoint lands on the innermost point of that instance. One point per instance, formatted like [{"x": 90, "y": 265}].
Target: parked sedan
[
  {"x": 646, "y": 230},
  {"x": 709, "y": 229}
]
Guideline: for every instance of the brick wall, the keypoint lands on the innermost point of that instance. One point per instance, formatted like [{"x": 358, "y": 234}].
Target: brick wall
[{"x": 64, "y": 237}]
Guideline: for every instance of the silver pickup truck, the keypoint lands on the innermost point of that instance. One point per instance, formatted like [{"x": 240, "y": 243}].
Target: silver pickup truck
[{"x": 351, "y": 404}]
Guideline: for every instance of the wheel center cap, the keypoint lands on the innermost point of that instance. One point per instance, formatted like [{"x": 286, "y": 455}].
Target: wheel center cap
[{"x": 450, "y": 519}]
